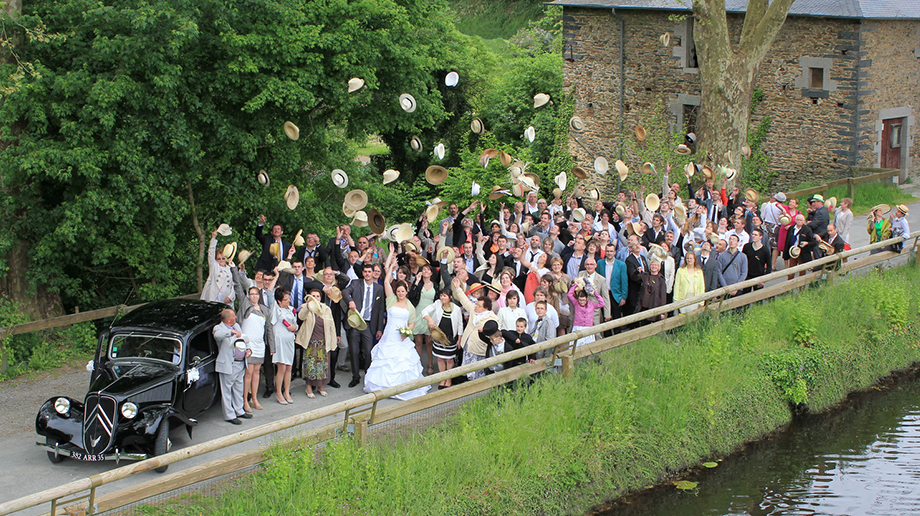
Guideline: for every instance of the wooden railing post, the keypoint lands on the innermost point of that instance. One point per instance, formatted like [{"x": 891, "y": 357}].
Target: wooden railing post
[
  {"x": 568, "y": 366},
  {"x": 361, "y": 432},
  {"x": 851, "y": 188}
]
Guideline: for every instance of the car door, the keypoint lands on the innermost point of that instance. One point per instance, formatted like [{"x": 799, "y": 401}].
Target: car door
[{"x": 198, "y": 395}]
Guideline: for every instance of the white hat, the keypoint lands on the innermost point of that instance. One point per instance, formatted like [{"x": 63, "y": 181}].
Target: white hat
[
  {"x": 407, "y": 103},
  {"x": 263, "y": 178},
  {"x": 622, "y": 169},
  {"x": 402, "y": 232},
  {"x": 576, "y": 124},
  {"x": 561, "y": 180},
  {"x": 475, "y": 189},
  {"x": 439, "y": 151},
  {"x": 578, "y": 214},
  {"x": 355, "y": 84},
  {"x": 292, "y": 197},
  {"x": 390, "y": 175},
  {"x": 530, "y": 133},
  {"x": 540, "y": 99},
  {"x": 225, "y": 230},
  {"x": 415, "y": 143},
  {"x": 360, "y": 219},
  {"x": 600, "y": 165},
  {"x": 339, "y": 178},
  {"x": 452, "y": 79},
  {"x": 477, "y": 126}
]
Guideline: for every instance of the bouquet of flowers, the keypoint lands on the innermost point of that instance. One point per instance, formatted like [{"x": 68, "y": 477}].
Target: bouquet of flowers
[{"x": 405, "y": 331}]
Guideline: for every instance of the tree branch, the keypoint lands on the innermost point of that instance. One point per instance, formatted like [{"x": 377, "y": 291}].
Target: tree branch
[
  {"x": 711, "y": 34},
  {"x": 753, "y": 15},
  {"x": 763, "y": 34}
]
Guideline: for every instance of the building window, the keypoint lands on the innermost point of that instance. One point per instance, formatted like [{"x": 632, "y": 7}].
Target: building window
[
  {"x": 895, "y": 142},
  {"x": 815, "y": 80},
  {"x": 685, "y": 110},
  {"x": 685, "y": 48}
]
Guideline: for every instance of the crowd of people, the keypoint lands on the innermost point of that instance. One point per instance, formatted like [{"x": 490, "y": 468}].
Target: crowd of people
[{"x": 474, "y": 284}]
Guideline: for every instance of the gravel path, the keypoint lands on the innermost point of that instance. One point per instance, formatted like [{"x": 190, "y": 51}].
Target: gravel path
[{"x": 21, "y": 397}]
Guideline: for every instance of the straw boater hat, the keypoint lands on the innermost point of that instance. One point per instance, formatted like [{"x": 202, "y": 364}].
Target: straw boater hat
[
  {"x": 274, "y": 249},
  {"x": 292, "y": 197},
  {"x": 291, "y": 130},
  {"x": 528, "y": 182},
  {"x": 576, "y": 124},
  {"x": 360, "y": 219},
  {"x": 487, "y": 155},
  {"x": 641, "y": 133},
  {"x": 680, "y": 213},
  {"x": 557, "y": 193},
  {"x": 746, "y": 150},
  {"x": 477, "y": 126},
  {"x": 578, "y": 214},
  {"x": 683, "y": 149},
  {"x": 816, "y": 197},
  {"x": 348, "y": 210},
  {"x": 530, "y": 133},
  {"x": 376, "y": 221},
  {"x": 285, "y": 266},
  {"x": 519, "y": 189},
  {"x": 415, "y": 143},
  {"x": 594, "y": 194},
  {"x": 784, "y": 219},
  {"x": 665, "y": 39},
  {"x": 402, "y": 232},
  {"x": 561, "y": 180},
  {"x": 435, "y": 174},
  {"x": 451, "y": 79},
  {"x": 438, "y": 336},
  {"x": 633, "y": 228},
  {"x": 535, "y": 179},
  {"x": 540, "y": 99},
  {"x": 730, "y": 173},
  {"x": 355, "y": 84},
  {"x": 713, "y": 238},
  {"x": 600, "y": 165},
  {"x": 407, "y": 103},
  {"x": 447, "y": 254},
  {"x": 579, "y": 172},
  {"x": 903, "y": 209},
  {"x": 690, "y": 169},
  {"x": 263, "y": 178},
  {"x": 432, "y": 211},
  {"x": 751, "y": 195},
  {"x": 228, "y": 251},
  {"x": 335, "y": 294},
  {"x": 298, "y": 239},
  {"x": 390, "y": 175},
  {"x": 652, "y": 202},
  {"x": 225, "y": 230},
  {"x": 831, "y": 203},
  {"x": 439, "y": 151},
  {"x": 356, "y": 199},
  {"x": 505, "y": 158},
  {"x": 622, "y": 169},
  {"x": 475, "y": 189},
  {"x": 498, "y": 192},
  {"x": 339, "y": 178},
  {"x": 658, "y": 251},
  {"x": 795, "y": 251},
  {"x": 620, "y": 209},
  {"x": 244, "y": 255},
  {"x": 314, "y": 305},
  {"x": 884, "y": 208},
  {"x": 648, "y": 168},
  {"x": 728, "y": 156},
  {"x": 827, "y": 248},
  {"x": 356, "y": 321},
  {"x": 410, "y": 246},
  {"x": 707, "y": 172}
]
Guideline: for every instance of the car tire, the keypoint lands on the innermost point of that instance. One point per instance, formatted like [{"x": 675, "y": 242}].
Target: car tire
[
  {"x": 53, "y": 457},
  {"x": 161, "y": 445}
]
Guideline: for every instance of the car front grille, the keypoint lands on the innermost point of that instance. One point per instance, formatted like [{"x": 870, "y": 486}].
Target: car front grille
[{"x": 99, "y": 423}]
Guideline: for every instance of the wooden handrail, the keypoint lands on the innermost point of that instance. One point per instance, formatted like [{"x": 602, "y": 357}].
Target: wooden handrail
[{"x": 196, "y": 450}]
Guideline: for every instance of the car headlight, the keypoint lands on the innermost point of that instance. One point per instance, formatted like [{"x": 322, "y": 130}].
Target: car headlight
[
  {"x": 62, "y": 406},
  {"x": 129, "y": 410}
]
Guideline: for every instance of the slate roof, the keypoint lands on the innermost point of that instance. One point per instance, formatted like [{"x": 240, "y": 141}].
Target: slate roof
[{"x": 861, "y": 9}]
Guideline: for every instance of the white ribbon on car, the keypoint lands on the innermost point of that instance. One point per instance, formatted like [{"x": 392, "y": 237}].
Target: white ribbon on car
[{"x": 192, "y": 375}]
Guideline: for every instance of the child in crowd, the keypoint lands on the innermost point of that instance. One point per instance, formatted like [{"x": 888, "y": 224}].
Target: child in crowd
[{"x": 517, "y": 339}]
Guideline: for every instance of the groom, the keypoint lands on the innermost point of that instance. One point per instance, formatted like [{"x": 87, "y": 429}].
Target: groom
[{"x": 365, "y": 297}]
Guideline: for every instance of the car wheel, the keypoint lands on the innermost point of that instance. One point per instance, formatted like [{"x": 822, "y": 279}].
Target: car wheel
[
  {"x": 161, "y": 445},
  {"x": 53, "y": 457}
]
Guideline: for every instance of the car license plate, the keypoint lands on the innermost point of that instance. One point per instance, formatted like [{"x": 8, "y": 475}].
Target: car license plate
[{"x": 87, "y": 457}]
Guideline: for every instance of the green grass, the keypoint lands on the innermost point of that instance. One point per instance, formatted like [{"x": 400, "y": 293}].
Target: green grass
[
  {"x": 493, "y": 19},
  {"x": 372, "y": 149},
  {"x": 630, "y": 418},
  {"x": 867, "y": 195}
]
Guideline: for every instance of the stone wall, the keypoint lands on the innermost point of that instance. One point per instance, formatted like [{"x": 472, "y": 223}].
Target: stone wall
[{"x": 817, "y": 134}]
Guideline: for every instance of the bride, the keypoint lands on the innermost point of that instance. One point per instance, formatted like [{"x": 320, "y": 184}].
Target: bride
[{"x": 394, "y": 359}]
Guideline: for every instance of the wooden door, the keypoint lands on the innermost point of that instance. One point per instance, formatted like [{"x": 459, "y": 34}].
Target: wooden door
[{"x": 892, "y": 136}]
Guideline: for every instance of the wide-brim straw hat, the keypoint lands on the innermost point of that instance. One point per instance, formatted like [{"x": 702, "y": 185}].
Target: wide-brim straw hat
[
  {"x": 314, "y": 305},
  {"x": 730, "y": 173},
  {"x": 409, "y": 245},
  {"x": 620, "y": 209},
  {"x": 432, "y": 211},
  {"x": 291, "y": 130},
  {"x": 683, "y": 150},
  {"x": 534, "y": 179},
  {"x": 751, "y": 195},
  {"x": 298, "y": 239},
  {"x": 530, "y": 133},
  {"x": 690, "y": 169},
  {"x": 402, "y": 232},
  {"x": 831, "y": 203},
  {"x": 827, "y": 248},
  {"x": 486, "y": 156},
  {"x": 355, "y": 320},
  {"x": 707, "y": 172},
  {"x": 505, "y": 158},
  {"x": 435, "y": 174},
  {"x": 652, "y": 202},
  {"x": 594, "y": 194},
  {"x": 348, "y": 210},
  {"x": 578, "y": 214},
  {"x": 447, "y": 254},
  {"x": 451, "y": 79},
  {"x": 561, "y": 287},
  {"x": 355, "y": 84},
  {"x": 622, "y": 169},
  {"x": 360, "y": 219},
  {"x": 335, "y": 294},
  {"x": 576, "y": 124},
  {"x": 680, "y": 213},
  {"x": 540, "y": 100},
  {"x": 795, "y": 251},
  {"x": 291, "y": 197},
  {"x": 528, "y": 182},
  {"x": 415, "y": 143},
  {"x": 244, "y": 255},
  {"x": 658, "y": 251},
  {"x": 641, "y": 133},
  {"x": 785, "y": 219},
  {"x": 274, "y": 249},
  {"x": 477, "y": 126},
  {"x": 884, "y": 208},
  {"x": 439, "y": 151},
  {"x": 579, "y": 173},
  {"x": 519, "y": 189},
  {"x": 648, "y": 168},
  {"x": 225, "y": 230},
  {"x": 714, "y": 238},
  {"x": 600, "y": 165},
  {"x": 356, "y": 199},
  {"x": 229, "y": 251},
  {"x": 407, "y": 103},
  {"x": 390, "y": 175},
  {"x": 632, "y": 228},
  {"x": 439, "y": 336},
  {"x": 901, "y": 207},
  {"x": 263, "y": 178},
  {"x": 376, "y": 221},
  {"x": 339, "y": 178},
  {"x": 285, "y": 266},
  {"x": 498, "y": 192},
  {"x": 561, "y": 180}
]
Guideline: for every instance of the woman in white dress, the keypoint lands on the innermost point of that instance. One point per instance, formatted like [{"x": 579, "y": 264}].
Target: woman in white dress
[
  {"x": 394, "y": 360},
  {"x": 285, "y": 328}
]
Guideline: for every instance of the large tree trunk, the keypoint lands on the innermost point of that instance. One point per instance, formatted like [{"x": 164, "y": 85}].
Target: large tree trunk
[{"x": 727, "y": 72}]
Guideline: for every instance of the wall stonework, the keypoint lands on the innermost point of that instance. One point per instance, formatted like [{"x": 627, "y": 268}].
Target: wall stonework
[{"x": 816, "y": 135}]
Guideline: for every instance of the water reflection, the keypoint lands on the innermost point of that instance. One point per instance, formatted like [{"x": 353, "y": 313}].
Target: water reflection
[{"x": 863, "y": 459}]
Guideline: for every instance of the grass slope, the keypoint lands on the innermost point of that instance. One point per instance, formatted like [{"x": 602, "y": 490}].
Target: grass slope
[
  {"x": 630, "y": 418},
  {"x": 494, "y": 19}
]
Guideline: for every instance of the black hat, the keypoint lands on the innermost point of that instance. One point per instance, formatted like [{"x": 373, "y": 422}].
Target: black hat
[
  {"x": 489, "y": 329},
  {"x": 312, "y": 285}
]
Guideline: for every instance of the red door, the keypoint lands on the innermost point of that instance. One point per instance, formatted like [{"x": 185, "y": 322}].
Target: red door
[{"x": 891, "y": 142}]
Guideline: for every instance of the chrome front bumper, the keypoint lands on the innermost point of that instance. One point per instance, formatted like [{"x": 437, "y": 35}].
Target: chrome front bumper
[{"x": 79, "y": 455}]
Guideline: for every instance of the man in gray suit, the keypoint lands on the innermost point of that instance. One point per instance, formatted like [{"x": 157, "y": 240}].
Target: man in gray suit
[
  {"x": 230, "y": 369},
  {"x": 709, "y": 261},
  {"x": 367, "y": 298}
]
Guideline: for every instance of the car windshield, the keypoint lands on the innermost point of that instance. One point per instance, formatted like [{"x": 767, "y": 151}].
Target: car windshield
[{"x": 132, "y": 345}]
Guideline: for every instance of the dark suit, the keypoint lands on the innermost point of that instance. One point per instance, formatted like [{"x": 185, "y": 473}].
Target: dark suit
[
  {"x": 362, "y": 341},
  {"x": 266, "y": 261},
  {"x": 818, "y": 221},
  {"x": 712, "y": 271},
  {"x": 633, "y": 265},
  {"x": 806, "y": 242},
  {"x": 649, "y": 237},
  {"x": 338, "y": 315},
  {"x": 318, "y": 253}
]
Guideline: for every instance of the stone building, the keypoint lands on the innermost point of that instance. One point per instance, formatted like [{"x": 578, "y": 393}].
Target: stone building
[{"x": 841, "y": 82}]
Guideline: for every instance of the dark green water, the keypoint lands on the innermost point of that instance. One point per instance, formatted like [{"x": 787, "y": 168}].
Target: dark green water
[{"x": 861, "y": 459}]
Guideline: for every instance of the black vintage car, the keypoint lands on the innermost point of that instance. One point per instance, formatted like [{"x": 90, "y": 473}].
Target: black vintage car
[{"x": 154, "y": 368}]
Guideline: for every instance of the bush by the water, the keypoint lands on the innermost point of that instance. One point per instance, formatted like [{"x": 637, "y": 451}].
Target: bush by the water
[{"x": 625, "y": 421}]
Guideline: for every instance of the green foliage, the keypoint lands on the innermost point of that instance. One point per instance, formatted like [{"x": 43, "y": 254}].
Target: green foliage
[
  {"x": 866, "y": 195},
  {"x": 658, "y": 149},
  {"x": 755, "y": 171},
  {"x": 794, "y": 371},
  {"x": 492, "y": 19}
]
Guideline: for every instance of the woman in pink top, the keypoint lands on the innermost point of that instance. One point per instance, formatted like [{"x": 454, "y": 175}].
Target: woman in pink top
[{"x": 583, "y": 308}]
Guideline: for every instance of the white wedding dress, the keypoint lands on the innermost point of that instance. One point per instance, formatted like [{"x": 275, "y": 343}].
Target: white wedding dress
[{"x": 394, "y": 360}]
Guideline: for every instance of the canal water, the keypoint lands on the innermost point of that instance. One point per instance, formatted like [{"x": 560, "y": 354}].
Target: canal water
[{"x": 861, "y": 459}]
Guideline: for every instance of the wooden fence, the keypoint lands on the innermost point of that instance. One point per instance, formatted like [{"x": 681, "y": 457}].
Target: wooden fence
[
  {"x": 358, "y": 414},
  {"x": 851, "y": 183}
]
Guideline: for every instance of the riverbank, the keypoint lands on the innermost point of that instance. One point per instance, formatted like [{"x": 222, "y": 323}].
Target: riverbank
[{"x": 630, "y": 419}]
